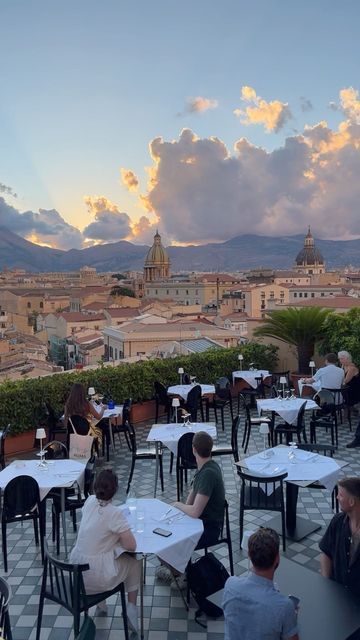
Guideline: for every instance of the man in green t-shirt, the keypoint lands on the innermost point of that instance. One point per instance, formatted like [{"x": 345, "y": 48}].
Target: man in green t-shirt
[{"x": 207, "y": 496}]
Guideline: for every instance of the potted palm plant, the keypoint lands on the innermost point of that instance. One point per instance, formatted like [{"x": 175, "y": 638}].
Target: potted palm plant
[{"x": 301, "y": 328}]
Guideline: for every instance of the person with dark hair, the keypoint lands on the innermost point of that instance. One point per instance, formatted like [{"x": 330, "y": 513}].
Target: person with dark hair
[
  {"x": 329, "y": 377},
  {"x": 253, "y": 608},
  {"x": 77, "y": 404},
  {"x": 340, "y": 545},
  {"x": 103, "y": 530},
  {"x": 207, "y": 496}
]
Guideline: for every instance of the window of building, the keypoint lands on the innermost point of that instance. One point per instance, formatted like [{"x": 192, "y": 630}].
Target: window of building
[
  {"x": 196, "y": 292},
  {"x": 41, "y": 305},
  {"x": 282, "y": 294},
  {"x": 116, "y": 353},
  {"x": 313, "y": 295},
  {"x": 322, "y": 294},
  {"x": 111, "y": 352},
  {"x": 305, "y": 295},
  {"x": 167, "y": 292},
  {"x": 96, "y": 327},
  {"x": 295, "y": 295},
  {"x": 300, "y": 295},
  {"x": 177, "y": 292},
  {"x": 187, "y": 292},
  {"x": 156, "y": 292},
  {"x": 29, "y": 305}
]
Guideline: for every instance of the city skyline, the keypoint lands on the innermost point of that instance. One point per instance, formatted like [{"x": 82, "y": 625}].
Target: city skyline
[{"x": 206, "y": 121}]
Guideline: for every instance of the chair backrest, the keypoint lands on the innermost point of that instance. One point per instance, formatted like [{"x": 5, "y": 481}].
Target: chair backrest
[
  {"x": 161, "y": 392},
  {"x": 186, "y": 378},
  {"x": 263, "y": 491},
  {"x": 185, "y": 454},
  {"x": 337, "y": 394},
  {"x": 51, "y": 417},
  {"x": 323, "y": 449},
  {"x": 126, "y": 411},
  {"x": 5, "y": 595},
  {"x": 63, "y": 582},
  {"x": 222, "y": 387},
  {"x": 301, "y": 415},
  {"x": 193, "y": 399},
  {"x": 234, "y": 437},
  {"x": 21, "y": 496},
  {"x": 81, "y": 425},
  {"x": 55, "y": 450},
  {"x": 89, "y": 476},
  {"x": 88, "y": 630}
]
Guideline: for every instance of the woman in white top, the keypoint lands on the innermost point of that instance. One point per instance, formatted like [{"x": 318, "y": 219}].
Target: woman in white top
[{"x": 103, "y": 529}]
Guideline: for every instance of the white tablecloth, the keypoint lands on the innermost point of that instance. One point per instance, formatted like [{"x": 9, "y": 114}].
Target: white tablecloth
[
  {"x": 170, "y": 434},
  {"x": 183, "y": 390},
  {"x": 249, "y": 376},
  {"x": 307, "y": 466},
  {"x": 286, "y": 409},
  {"x": 113, "y": 413},
  {"x": 176, "y": 550},
  {"x": 59, "y": 473}
]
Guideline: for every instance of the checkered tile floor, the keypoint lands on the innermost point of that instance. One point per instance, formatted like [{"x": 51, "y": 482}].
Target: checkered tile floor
[{"x": 165, "y": 616}]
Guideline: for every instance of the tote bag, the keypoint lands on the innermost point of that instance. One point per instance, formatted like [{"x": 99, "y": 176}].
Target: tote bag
[{"x": 80, "y": 446}]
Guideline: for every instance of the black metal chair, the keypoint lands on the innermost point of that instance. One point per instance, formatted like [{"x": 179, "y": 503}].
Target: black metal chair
[
  {"x": 74, "y": 499},
  {"x": 55, "y": 450},
  {"x": 148, "y": 453},
  {"x": 118, "y": 429},
  {"x": 21, "y": 501},
  {"x": 262, "y": 493},
  {"x": 53, "y": 422},
  {"x": 185, "y": 460},
  {"x": 251, "y": 421},
  {"x": 194, "y": 403},
  {"x": 3, "y": 435},
  {"x": 162, "y": 400},
  {"x": 88, "y": 630},
  {"x": 289, "y": 430},
  {"x": 5, "y": 595},
  {"x": 220, "y": 400},
  {"x": 233, "y": 449},
  {"x": 252, "y": 393},
  {"x": 341, "y": 404},
  {"x": 325, "y": 416},
  {"x": 63, "y": 583},
  {"x": 324, "y": 450}
]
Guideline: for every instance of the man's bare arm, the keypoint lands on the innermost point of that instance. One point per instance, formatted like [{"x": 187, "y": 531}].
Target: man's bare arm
[{"x": 195, "y": 508}]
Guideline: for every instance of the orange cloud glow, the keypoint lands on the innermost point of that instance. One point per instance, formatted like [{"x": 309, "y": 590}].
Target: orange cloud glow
[{"x": 273, "y": 115}]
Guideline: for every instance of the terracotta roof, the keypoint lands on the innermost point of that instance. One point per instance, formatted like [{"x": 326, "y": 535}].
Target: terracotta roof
[
  {"x": 94, "y": 305},
  {"x": 332, "y": 302},
  {"x": 123, "y": 312},
  {"x": 76, "y": 316}
]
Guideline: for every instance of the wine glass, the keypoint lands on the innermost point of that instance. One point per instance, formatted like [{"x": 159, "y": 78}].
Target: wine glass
[
  {"x": 292, "y": 452},
  {"x": 279, "y": 394},
  {"x": 287, "y": 395}
]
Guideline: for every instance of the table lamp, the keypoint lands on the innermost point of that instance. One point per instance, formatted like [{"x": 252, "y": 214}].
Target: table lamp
[
  {"x": 264, "y": 430},
  {"x": 241, "y": 358},
  {"x": 40, "y": 435},
  {"x": 312, "y": 367},
  {"x": 91, "y": 391},
  {"x": 180, "y": 372},
  {"x": 176, "y": 403},
  {"x": 283, "y": 382}
]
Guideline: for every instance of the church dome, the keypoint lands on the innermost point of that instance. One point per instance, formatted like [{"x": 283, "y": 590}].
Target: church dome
[
  {"x": 157, "y": 254},
  {"x": 309, "y": 255}
]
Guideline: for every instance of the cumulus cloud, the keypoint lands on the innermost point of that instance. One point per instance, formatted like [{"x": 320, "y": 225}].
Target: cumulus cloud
[
  {"x": 273, "y": 115},
  {"x": 203, "y": 191},
  {"x": 129, "y": 179},
  {"x": 7, "y": 190},
  {"x": 144, "y": 230},
  {"x": 201, "y": 104},
  {"x": 46, "y": 226},
  {"x": 110, "y": 225},
  {"x": 350, "y": 104},
  {"x": 305, "y": 104}
]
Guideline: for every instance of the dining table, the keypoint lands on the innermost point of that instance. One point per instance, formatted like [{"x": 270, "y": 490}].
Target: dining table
[
  {"x": 169, "y": 435},
  {"x": 182, "y": 390},
  {"x": 175, "y": 550},
  {"x": 304, "y": 468},
  {"x": 249, "y": 376},
  {"x": 327, "y": 611},
  {"x": 51, "y": 474}
]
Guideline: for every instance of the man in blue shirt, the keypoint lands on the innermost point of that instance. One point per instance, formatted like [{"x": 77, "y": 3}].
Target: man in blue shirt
[{"x": 253, "y": 608}]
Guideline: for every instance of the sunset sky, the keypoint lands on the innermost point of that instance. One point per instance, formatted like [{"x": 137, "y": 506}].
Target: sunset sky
[{"x": 203, "y": 118}]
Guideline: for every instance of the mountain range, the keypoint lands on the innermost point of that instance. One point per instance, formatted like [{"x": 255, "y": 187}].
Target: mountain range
[{"x": 242, "y": 252}]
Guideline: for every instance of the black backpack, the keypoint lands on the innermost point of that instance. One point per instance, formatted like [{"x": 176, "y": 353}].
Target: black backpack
[{"x": 206, "y": 576}]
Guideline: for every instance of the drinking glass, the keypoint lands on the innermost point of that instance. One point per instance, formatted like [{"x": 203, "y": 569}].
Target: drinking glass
[{"x": 140, "y": 520}]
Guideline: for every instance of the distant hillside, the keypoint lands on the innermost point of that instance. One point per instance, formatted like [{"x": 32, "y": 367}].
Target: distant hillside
[{"x": 242, "y": 252}]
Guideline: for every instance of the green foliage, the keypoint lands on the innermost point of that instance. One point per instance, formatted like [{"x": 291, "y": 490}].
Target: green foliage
[
  {"x": 118, "y": 276},
  {"x": 21, "y": 402},
  {"x": 302, "y": 328},
  {"x": 342, "y": 333},
  {"x": 122, "y": 291}
]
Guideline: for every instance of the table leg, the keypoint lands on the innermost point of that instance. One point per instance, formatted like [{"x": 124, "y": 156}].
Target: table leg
[
  {"x": 296, "y": 528},
  {"x": 156, "y": 467},
  {"x": 63, "y": 518},
  {"x": 111, "y": 435},
  {"x": 142, "y": 598}
]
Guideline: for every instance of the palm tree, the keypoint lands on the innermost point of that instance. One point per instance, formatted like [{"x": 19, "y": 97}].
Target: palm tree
[{"x": 301, "y": 327}]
